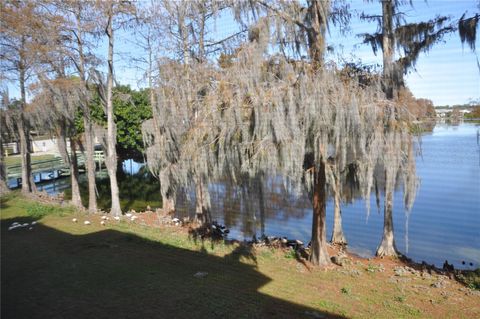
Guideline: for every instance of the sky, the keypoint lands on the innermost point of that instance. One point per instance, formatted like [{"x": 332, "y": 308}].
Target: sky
[{"x": 448, "y": 74}]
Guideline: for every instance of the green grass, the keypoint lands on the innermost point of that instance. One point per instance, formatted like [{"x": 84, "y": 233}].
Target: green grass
[
  {"x": 400, "y": 298},
  {"x": 37, "y": 211},
  {"x": 14, "y": 160},
  {"x": 290, "y": 254},
  {"x": 63, "y": 269},
  {"x": 346, "y": 290},
  {"x": 471, "y": 279}
]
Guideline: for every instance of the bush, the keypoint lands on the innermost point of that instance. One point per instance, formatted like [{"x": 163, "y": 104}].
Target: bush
[
  {"x": 470, "y": 278},
  {"x": 38, "y": 211},
  {"x": 346, "y": 290}
]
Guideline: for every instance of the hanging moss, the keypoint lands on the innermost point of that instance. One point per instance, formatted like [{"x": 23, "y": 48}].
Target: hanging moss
[{"x": 266, "y": 114}]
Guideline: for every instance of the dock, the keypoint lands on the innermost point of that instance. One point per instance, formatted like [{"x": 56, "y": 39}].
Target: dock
[{"x": 55, "y": 168}]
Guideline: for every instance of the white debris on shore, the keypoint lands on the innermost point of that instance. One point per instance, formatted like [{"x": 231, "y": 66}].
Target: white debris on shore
[{"x": 15, "y": 225}]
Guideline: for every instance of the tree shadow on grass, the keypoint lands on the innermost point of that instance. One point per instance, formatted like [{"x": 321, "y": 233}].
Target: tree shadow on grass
[{"x": 46, "y": 273}]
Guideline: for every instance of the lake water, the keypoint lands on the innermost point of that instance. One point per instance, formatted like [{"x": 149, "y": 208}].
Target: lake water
[{"x": 444, "y": 223}]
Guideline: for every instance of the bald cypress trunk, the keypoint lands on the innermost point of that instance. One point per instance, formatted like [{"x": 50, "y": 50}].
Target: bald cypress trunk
[
  {"x": 3, "y": 173},
  {"x": 87, "y": 122},
  {"x": 69, "y": 159},
  {"x": 387, "y": 246},
  {"x": 25, "y": 156},
  {"x": 337, "y": 235},
  {"x": 261, "y": 204},
  {"x": 89, "y": 162},
  {"x": 202, "y": 202},
  {"x": 168, "y": 195},
  {"x": 318, "y": 12},
  {"x": 168, "y": 201},
  {"x": 388, "y": 48},
  {"x": 316, "y": 32},
  {"x": 319, "y": 254},
  {"x": 76, "y": 198},
  {"x": 111, "y": 158},
  {"x": 28, "y": 184}
]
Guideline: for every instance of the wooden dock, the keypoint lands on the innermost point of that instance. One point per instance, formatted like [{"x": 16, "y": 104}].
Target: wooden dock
[{"x": 54, "y": 168}]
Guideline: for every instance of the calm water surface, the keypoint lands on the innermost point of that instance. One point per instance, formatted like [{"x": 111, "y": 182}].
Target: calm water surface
[{"x": 444, "y": 223}]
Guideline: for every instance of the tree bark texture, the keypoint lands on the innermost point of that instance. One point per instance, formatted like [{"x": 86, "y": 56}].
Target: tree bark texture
[
  {"x": 76, "y": 197},
  {"x": 319, "y": 254},
  {"x": 87, "y": 123},
  {"x": 111, "y": 157},
  {"x": 261, "y": 204},
  {"x": 387, "y": 246},
  {"x": 90, "y": 162},
  {"x": 388, "y": 48},
  {"x": 202, "y": 202},
  {"x": 168, "y": 195},
  {"x": 28, "y": 184},
  {"x": 3, "y": 173},
  {"x": 70, "y": 160},
  {"x": 318, "y": 13},
  {"x": 338, "y": 236}
]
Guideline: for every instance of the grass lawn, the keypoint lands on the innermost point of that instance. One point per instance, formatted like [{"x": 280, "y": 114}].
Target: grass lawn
[
  {"x": 62, "y": 269},
  {"x": 14, "y": 160}
]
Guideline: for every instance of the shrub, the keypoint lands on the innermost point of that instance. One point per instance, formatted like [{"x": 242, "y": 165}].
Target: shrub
[{"x": 38, "y": 211}]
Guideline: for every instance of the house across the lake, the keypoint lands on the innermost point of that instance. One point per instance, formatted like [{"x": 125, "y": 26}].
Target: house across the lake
[
  {"x": 40, "y": 144},
  {"x": 445, "y": 112}
]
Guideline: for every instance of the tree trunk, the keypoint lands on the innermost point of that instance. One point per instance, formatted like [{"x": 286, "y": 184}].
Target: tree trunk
[
  {"x": 201, "y": 36},
  {"x": 388, "y": 48},
  {"x": 111, "y": 127},
  {"x": 387, "y": 246},
  {"x": 70, "y": 160},
  {"x": 319, "y": 254},
  {"x": 318, "y": 11},
  {"x": 261, "y": 203},
  {"x": 3, "y": 174},
  {"x": 65, "y": 130},
  {"x": 168, "y": 202},
  {"x": 337, "y": 235},
  {"x": 87, "y": 122},
  {"x": 90, "y": 162},
  {"x": 168, "y": 195},
  {"x": 26, "y": 164},
  {"x": 183, "y": 32},
  {"x": 150, "y": 75},
  {"x": 28, "y": 184},
  {"x": 76, "y": 197},
  {"x": 202, "y": 202}
]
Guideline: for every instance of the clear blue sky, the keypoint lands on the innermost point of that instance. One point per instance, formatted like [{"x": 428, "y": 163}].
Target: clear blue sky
[{"x": 447, "y": 75}]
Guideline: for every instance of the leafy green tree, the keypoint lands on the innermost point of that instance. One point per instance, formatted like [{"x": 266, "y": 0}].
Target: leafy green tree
[{"x": 130, "y": 109}]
